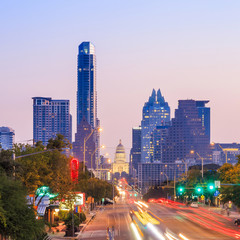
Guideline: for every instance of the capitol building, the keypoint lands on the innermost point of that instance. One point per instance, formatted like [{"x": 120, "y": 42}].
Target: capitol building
[{"x": 120, "y": 164}]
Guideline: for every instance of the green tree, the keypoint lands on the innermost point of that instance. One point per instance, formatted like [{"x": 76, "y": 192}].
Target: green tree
[{"x": 17, "y": 220}]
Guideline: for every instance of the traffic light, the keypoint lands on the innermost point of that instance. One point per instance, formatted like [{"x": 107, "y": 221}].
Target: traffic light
[
  {"x": 181, "y": 190},
  {"x": 135, "y": 195},
  {"x": 211, "y": 187},
  {"x": 199, "y": 190}
]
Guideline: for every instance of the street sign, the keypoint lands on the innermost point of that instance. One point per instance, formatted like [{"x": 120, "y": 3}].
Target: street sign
[
  {"x": 216, "y": 193},
  {"x": 217, "y": 184},
  {"x": 202, "y": 197}
]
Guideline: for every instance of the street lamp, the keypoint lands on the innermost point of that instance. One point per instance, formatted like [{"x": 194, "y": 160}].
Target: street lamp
[
  {"x": 166, "y": 176},
  {"x": 174, "y": 179},
  {"x": 92, "y": 156},
  {"x": 192, "y": 152},
  {"x": 84, "y": 145}
]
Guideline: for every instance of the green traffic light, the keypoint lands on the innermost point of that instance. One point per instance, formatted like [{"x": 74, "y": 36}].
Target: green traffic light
[
  {"x": 198, "y": 189},
  {"x": 211, "y": 187}
]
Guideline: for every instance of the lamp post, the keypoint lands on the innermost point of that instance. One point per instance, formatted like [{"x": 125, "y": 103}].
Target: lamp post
[
  {"x": 192, "y": 152},
  {"x": 84, "y": 145},
  {"x": 174, "y": 179},
  {"x": 166, "y": 176},
  {"x": 92, "y": 157}
]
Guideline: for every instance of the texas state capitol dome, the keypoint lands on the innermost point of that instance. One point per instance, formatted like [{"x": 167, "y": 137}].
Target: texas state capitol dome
[{"x": 120, "y": 164}]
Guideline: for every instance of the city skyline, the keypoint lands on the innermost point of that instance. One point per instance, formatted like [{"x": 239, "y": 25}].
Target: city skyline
[{"x": 193, "y": 67}]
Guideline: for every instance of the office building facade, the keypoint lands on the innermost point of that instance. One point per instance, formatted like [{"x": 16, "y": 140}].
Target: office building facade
[
  {"x": 186, "y": 135},
  {"x": 86, "y": 93},
  {"x": 158, "y": 139},
  {"x": 51, "y": 117},
  {"x": 135, "y": 154},
  {"x": 7, "y": 138},
  {"x": 86, "y": 84},
  {"x": 156, "y": 112},
  {"x": 204, "y": 114}
]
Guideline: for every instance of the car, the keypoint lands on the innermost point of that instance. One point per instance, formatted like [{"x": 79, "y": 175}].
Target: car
[
  {"x": 237, "y": 222},
  {"x": 194, "y": 205}
]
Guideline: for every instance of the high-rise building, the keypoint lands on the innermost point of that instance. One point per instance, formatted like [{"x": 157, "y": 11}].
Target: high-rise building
[
  {"x": 86, "y": 87},
  {"x": 204, "y": 114},
  {"x": 156, "y": 112},
  {"x": 135, "y": 154},
  {"x": 84, "y": 130},
  {"x": 158, "y": 139},
  {"x": 51, "y": 117},
  {"x": 7, "y": 138},
  {"x": 187, "y": 134},
  {"x": 86, "y": 93}
]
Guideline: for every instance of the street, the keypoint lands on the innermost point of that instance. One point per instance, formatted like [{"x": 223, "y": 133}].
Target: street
[
  {"x": 165, "y": 220},
  {"x": 109, "y": 216}
]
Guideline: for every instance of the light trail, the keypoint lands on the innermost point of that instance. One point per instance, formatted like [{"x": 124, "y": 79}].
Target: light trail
[
  {"x": 156, "y": 232},
  {"x": 183, "y": 237},
  {"x": 134, "y": 228}
]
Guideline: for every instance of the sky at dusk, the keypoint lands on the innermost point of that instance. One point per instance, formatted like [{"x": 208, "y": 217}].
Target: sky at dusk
[{"x": 188, "y": 49}]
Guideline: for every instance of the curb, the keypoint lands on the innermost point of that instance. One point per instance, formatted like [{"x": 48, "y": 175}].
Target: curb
[{"x": 82, "y": 230}]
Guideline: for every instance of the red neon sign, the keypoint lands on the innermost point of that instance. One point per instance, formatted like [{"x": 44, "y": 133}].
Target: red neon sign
[{"x": 74, "y": 169}]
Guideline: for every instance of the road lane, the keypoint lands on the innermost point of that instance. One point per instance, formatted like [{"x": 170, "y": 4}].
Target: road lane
[{"x": 115, "y": 218}]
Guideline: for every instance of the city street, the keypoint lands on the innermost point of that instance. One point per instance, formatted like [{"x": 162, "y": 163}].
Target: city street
[
  {"x": 199, "y": 223},
  {"x": 116, "y": 216},
  {"x": 166, "y": 220}
]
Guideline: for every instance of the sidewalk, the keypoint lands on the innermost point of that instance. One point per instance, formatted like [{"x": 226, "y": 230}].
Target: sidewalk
[
  {"x": 58, "y": 233},
  {"x": 219, "y": 210}
]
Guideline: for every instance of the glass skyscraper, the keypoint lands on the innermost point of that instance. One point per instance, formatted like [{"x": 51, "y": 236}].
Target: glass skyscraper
[
  {"x": 86, "y": 99},
  {"x": 187, "y": 133},
  {"x": 86, "y": 87},
  {"x": 156, "y": 112},
  {"x": 51, "y": 117},
  {"x": 7, "y": 138}
]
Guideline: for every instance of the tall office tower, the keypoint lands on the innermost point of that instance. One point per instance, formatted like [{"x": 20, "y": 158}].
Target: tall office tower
[
  {"x": 85, "y": 129},
  {"x": 86, "y": 88},
  {"x": 186, "y": 134},
  {"x": 7, "y": 138},
  {"x": 51, "y": 117},
  {"x": 158, "y": 139},
  {"x": 135, "y": 155},
  {"x": 156, "y": 112},
  {"x": 86, "y": 92},
  {"x": 204, "y": 114}
]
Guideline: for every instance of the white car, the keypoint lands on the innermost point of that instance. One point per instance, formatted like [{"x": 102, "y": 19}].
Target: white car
[{"x": 194, "y": 204}]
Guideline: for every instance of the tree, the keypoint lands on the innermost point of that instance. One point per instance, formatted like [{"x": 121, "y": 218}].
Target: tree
[
  {"x": 231, "y": 175},
  {"x": 51, "y": 168},
  {"x": 17, "y": 219}
]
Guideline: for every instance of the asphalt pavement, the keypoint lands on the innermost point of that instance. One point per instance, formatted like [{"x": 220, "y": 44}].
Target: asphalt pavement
[
  {"x": 116, "y": 218},
  {"x": 167, "y": 220}
]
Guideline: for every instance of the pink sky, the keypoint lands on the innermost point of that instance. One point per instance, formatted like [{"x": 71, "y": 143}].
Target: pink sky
[{"x": 190, "y": 50}]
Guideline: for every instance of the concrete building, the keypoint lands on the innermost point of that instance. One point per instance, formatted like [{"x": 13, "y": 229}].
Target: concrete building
[
  {"x": 156, "y": 112},
  {"x": 51, "y": 117},
  {"x": 120, "y": 163},
  {"x": 7, "y": 138}
]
